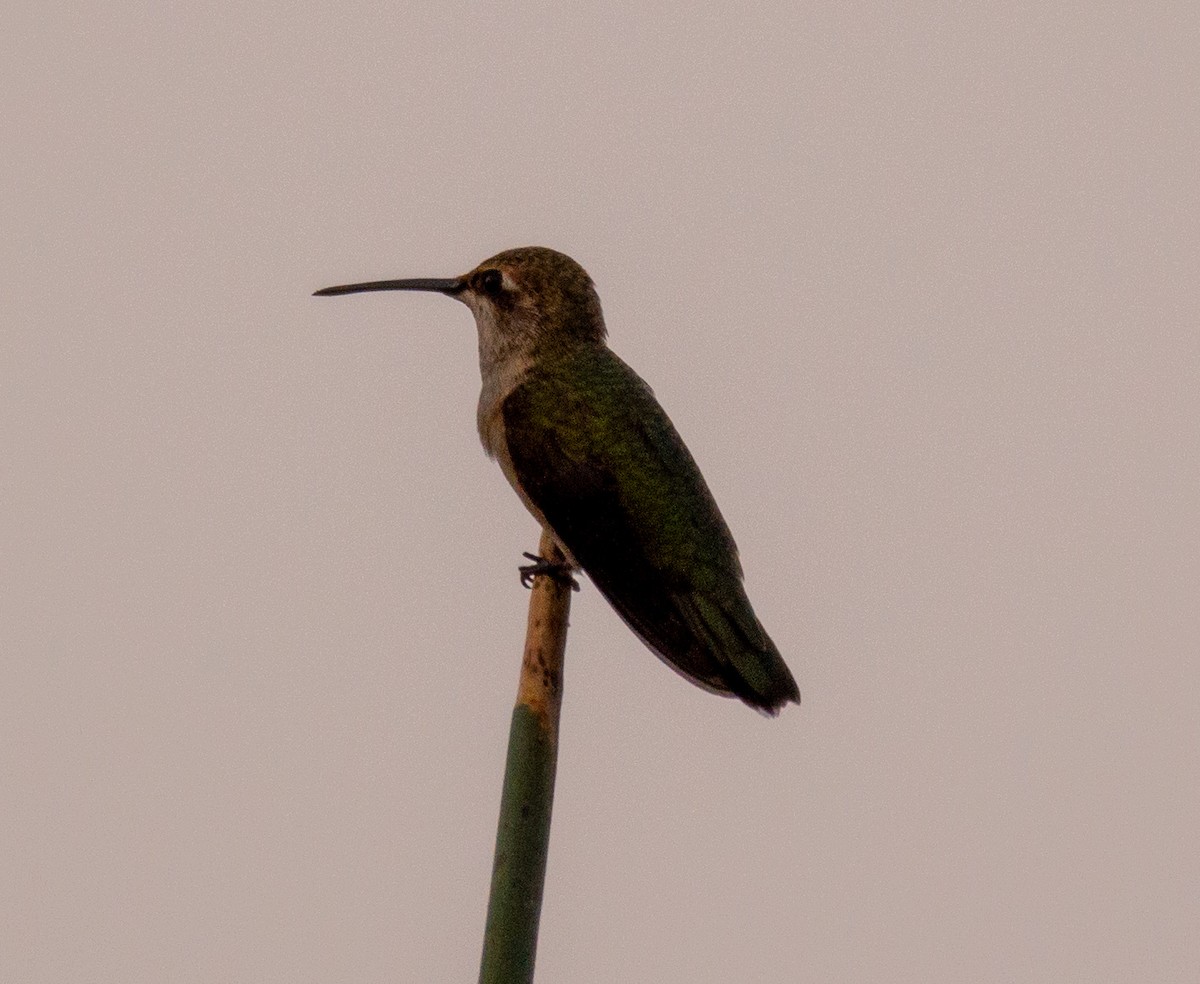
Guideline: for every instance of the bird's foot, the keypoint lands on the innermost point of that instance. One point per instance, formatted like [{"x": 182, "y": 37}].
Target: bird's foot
[{"x": 560, "y": 572}]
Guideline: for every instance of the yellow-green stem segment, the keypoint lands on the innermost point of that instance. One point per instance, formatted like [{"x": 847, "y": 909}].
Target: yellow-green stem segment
[{"x": 522, "y": 836}]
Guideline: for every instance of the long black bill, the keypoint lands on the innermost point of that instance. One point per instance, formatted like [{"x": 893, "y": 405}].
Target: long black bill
[{"x": 441, "y": 286}]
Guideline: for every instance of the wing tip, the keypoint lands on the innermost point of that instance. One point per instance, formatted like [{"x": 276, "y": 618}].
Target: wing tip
[{"x": 770, "y": 704}]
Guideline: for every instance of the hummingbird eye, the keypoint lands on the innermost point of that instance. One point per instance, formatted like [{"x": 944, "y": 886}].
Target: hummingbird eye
[{"x": 490, "y": 282}]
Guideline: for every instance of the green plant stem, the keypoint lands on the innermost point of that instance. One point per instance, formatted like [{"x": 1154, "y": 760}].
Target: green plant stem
[{"x": 523, "y": 833}]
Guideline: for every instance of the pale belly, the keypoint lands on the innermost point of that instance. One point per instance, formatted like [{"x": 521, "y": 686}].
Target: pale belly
[{"x": 491, "y": 433}]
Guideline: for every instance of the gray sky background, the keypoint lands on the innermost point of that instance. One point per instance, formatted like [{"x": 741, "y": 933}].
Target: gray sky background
[{"x": 917, "y": 283}]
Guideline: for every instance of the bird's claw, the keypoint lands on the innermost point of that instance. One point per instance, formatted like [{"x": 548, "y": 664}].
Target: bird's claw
[{"x": 559, "y": 571}]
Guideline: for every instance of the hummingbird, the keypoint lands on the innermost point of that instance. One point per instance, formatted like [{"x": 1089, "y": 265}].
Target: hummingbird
[{"x": 595, "y": 459}]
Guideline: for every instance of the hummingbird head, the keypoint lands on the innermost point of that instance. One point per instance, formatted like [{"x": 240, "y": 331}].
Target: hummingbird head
[
  {"x": 529, "y": 302},
  {"x": 534, "y": 291},
  {"x": 523, "y": 299}
]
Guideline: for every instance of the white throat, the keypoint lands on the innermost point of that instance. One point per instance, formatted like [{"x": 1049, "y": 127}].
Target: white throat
[{"x": 504, "y": 358}]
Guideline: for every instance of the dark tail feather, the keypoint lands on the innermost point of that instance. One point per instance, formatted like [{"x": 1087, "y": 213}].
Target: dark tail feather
[{"x": 751, "y": 666}]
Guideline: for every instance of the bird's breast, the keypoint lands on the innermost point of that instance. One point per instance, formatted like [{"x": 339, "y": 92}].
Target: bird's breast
[{"x": 494, "y": 438}]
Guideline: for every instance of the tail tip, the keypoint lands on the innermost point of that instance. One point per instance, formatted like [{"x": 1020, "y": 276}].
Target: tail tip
[{"x": 771, "y": 704}]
